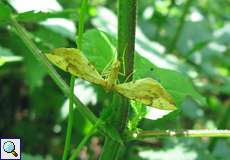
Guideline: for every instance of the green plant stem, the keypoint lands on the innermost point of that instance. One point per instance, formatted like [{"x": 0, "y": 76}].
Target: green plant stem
[
  {"x": 126, "y": 35},
  {"x": 110, "y": 150},
  {"x": 79, "y": 44},
  {"x": 125, "y": 48},
  {"x": 221, "y": 125},
  {"x": 80, "y": 146},
  {"x": 70, "y": 121},
  {"x": 179, "y": 133},
  {"x": 81, "y": 23},
  {"x": 24, "y": 35},
  {"x": 177, "y": 34}
]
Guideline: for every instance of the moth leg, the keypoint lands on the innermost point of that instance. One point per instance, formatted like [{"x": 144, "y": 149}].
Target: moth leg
[
  {"x": 108, "y": 66},
  {"x": 122, "y": 74},
  {"x": 105, "y": 73},
  {"x": 129, "y": 76}
]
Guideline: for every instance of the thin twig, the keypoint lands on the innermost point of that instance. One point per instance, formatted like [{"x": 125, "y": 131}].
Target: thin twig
[
  {"x": 70, "y": 121},
  {"x": 180, "y": 26},
  {"x": 77, "y": 151},
  {"x": 72, "y": 84},
  {"x": 178, "y": 133}
]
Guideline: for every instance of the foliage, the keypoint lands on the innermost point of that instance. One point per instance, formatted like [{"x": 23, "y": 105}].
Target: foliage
[{"x": 195, "y": 72}]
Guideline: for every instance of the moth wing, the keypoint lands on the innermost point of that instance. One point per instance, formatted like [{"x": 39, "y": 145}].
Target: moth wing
[
  {"x": 149, "y": 92},
  {"x": 73, "y": 61}
]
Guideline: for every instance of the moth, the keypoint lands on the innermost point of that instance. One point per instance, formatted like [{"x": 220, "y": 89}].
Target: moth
[{"x": 147, "y": 90}]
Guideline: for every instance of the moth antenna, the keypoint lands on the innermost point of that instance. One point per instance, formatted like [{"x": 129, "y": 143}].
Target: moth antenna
[{"x": 107, "y": 68}]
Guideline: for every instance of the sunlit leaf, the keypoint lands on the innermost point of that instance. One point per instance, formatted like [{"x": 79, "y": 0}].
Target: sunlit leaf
[
  {"x": 32, "y": 16},
  {"x": 4, "y": 13}
]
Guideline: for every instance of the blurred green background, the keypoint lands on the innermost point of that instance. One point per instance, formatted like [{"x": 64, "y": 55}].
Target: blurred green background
[{"x": 190, "y": 36}]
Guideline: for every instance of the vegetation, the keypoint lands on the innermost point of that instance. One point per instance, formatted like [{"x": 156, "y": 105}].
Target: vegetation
[{"x": 181, "y": 45}]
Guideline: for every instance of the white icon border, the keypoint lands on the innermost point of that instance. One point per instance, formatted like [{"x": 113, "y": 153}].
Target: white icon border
[{"x": 3, "y": 140}]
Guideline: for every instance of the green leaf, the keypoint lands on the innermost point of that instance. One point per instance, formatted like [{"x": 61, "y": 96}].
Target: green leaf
[
  {"x": 6, "y": 55},
  {"x": 5, "y": 52},
  {"x": 179, "y": 85},
  {"x": 139, "y": 113},
  {"x": 54, "y": 40},
  {"x": 34, "y": 72},
  {"x": 176, "y": 83},
  {"x": 98, "y": 47},
  {"x": 32, "y": 16},
  {"x": 4, "y": 13},
  {"x": 168, "y": 121},
  {"x": 113, "y": 133}
]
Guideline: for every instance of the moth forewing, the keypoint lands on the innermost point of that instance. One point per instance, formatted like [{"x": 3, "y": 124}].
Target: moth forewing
[
  {"x": 73, "y": 61},
  {"x": 148, "y": 91},
  {"x": 58, "y": 61}
]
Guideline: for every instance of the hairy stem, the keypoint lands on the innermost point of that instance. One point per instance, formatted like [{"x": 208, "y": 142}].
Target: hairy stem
[
  {"x": 126, "y": 43},
  {"x": 179, "y": 133},
  {"x": 126, "y": 35}
]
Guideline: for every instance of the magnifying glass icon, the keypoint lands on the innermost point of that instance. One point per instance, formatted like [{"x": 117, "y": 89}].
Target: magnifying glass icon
[{"x": 9, "y": 147}]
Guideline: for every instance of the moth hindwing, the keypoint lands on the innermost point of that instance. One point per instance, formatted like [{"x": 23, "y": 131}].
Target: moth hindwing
[{"x": 149, "y": 92}]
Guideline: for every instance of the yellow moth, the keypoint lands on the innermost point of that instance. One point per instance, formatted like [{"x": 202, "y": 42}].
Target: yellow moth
[{"x": 147, "y": 91}]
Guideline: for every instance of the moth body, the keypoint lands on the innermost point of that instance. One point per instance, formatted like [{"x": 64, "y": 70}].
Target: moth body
[{"x": 111, "y": 80}]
